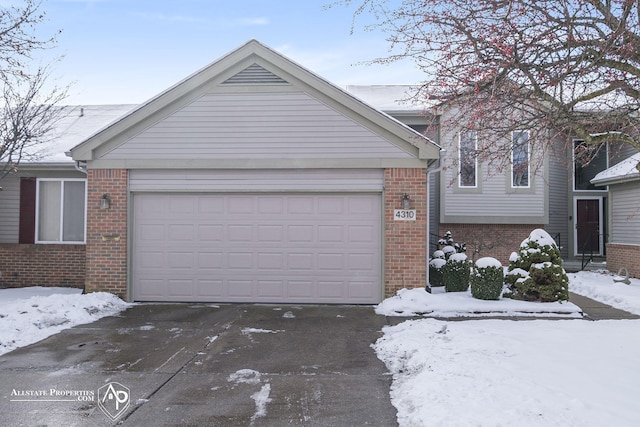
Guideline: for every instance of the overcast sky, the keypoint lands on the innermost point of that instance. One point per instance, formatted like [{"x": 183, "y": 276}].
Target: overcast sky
[{"x": 127, "y": 51}]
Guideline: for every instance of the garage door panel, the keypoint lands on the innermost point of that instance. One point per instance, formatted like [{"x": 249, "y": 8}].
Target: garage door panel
[
  {"x": 180, "y": 288},
  {"x": 240, "y": 260},
  {"x": 364, "y": 262},
  {"x": 211, "y": 289},
  {"x": 240, "y": 288},
  {"x": 300, "y": 289},
  {"x": 240, "y": 233},
  {"x": 331, "y": 261},
  {"x": 210, "y": 260},
  {"x": 257, "y": 248},
  {"x": 270, "y": 288},
  {"x": 271, "y": 261},
  {"x": 210, "y": 233}
]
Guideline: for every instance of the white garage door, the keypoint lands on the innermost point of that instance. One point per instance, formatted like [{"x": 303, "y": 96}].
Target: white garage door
[{"x": 299, "y": 248}]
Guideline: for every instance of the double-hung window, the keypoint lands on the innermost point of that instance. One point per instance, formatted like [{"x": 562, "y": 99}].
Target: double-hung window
[
  {"x": 61, "y": 210},
  {"x": 467, "y": 152},
  {"x": 520, "y": 159}
]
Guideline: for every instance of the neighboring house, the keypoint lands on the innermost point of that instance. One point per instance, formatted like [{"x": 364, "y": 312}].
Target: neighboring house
[
  {"x": 42, "y": 207},
  {"x": 493, "y": 212},
  {"x": 623, "y": 207}
]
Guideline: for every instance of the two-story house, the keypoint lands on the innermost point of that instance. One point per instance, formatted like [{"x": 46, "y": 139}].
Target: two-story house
[{"x": 494, "y": 211}]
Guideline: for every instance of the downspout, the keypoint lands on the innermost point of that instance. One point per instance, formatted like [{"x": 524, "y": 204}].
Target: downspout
[
  {"x": 78, "y": 164},
  {"x": 429, "y": 173}
]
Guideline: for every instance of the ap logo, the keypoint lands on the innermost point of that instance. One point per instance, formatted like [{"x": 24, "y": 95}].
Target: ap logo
[{"x": 113, "y": 399}]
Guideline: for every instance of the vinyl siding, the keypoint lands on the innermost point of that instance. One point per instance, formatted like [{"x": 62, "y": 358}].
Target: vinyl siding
[
  {"x": 9, "y": 209},
  {"x": 256, "y": 125},
  {"x": 493, "y": 201},
  {"x": 558, "y": 206},
  {"x": 625, "y": 213},
  {"x": 280, "y": 180}
]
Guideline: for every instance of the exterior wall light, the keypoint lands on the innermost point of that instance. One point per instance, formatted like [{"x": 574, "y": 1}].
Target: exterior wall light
[
  {"x": 105, "y": 202},
  {"x": 406, "y": 201}
]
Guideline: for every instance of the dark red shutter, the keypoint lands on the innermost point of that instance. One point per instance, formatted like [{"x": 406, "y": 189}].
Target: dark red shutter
[{"x": 27, "y": 231}]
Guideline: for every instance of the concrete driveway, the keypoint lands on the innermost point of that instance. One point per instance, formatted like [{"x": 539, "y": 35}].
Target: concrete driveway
[{"x": 204, "y": 365}]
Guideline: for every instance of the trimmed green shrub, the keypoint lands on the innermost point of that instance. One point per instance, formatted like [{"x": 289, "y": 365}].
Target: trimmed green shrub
[
  {"x": 535, "y": 272},
  {"x": 487, "y": 279},
  {"x": 455, "y": 273},
  {"x": 435, "y": 272}
]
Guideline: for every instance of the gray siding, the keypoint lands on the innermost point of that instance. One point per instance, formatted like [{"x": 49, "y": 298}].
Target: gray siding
[
  {"x": 9, "y": 209},
  {"x": 625, "y": 213},
  {"x": 280, "y": 180},
  {"x": 493, "y": 201},
  {"x": 558, "y": 208},
  {"x": 257, "y": 125}
]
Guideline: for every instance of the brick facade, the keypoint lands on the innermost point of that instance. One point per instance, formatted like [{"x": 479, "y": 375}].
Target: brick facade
[
  {"x": 107, "y": 232},
  {"x": 621, "y": 255},
  {"x": 405, "y": 241},
  {"x": 42, "y": 265},
  {"x": 494, "y": 240}
]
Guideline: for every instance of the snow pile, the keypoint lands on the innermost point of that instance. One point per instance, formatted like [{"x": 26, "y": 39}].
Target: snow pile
[
  {"x": 601, "y": 287},
  {"x": 418, "y": 302},
  {"x": 496, "y": 372},
  {"x": 28, "y": 315}
]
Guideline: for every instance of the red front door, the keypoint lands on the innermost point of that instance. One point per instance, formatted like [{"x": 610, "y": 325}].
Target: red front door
[{"x": 588, "y": 225}]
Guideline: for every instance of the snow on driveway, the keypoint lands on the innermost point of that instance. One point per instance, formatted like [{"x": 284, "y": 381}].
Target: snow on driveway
[{"x": 475, "y": 373}]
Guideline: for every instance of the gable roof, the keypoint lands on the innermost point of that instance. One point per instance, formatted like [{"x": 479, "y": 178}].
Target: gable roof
[
  {"x": 626, "y": 170},
  {"x": 251, "y": 65}
]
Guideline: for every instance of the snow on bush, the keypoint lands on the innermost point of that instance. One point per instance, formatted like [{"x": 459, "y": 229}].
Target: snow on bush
[
  {"x": 487, "y": 279},
  {"x": 435, "y": 271},
  {"x": 455, "y": 273},
  {"x": 535, "y": 272}
]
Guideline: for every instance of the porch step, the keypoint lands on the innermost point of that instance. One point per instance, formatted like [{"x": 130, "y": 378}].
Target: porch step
[{"x": 575, "y": 265}]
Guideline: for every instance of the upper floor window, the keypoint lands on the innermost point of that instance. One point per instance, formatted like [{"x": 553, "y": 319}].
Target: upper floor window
[
  {"x": 520, "y": 158},
  {"x": 61, "y": 210},
  {"x": 468, "y": 145},
  {"x": 588, "y": 161}
]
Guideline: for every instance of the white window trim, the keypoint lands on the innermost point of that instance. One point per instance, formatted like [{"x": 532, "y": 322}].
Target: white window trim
[
  {"x": 528, "y": 159},
  {"x": 475, "y": 160},
  {"x": 60, "y": 242}
]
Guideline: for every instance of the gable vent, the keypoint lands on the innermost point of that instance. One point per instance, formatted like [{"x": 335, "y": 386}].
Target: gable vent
[{"x": 254, "y": 74}]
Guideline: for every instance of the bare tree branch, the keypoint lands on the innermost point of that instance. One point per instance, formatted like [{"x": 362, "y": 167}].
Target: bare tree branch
[{"x": 570, "y": 68}]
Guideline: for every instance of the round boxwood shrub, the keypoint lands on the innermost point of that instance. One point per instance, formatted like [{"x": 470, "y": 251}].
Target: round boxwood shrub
[
  {"x": 455, "y": 273},
  {"x": 487, "y": 279},
  {"x": 435, "y": 272},
  {"x": 535, "y": 272}
]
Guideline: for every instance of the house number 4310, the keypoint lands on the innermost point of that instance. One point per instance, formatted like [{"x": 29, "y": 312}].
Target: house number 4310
[{"x": 404, "y": 215}]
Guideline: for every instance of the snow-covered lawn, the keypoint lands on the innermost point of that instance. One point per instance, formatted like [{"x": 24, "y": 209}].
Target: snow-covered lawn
[
  {"x": 28, "y": 315},
  {"x": 504, "y": 373}
]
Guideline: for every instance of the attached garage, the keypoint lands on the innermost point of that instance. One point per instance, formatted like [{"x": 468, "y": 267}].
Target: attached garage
[
  {"x": 299, "y": 247},
  {"x": 254, "y": 180}
]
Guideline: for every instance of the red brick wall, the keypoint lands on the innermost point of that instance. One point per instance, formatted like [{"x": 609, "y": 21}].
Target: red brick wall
[
  {"x": 620, "y": 255},
  {"x": 405, "y": 241},
  {"x": 494, "y": 240},
  {"x": 107, "y": 232},
  {"x": 42, "y": 265}
]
